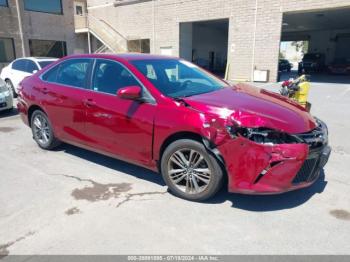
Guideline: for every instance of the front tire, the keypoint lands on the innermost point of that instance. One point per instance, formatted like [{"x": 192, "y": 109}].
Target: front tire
[
  {"x": 190, "y": 171},
  {"x": 42, "y": 131},
  {"x": 11, "y": 87}
]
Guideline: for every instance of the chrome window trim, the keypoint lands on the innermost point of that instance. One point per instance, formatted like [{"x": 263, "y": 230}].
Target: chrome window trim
[{"x": 151, "y": 99}]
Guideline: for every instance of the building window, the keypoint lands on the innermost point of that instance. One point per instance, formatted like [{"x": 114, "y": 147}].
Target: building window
[
  {"x": 7, "y": 50},
  {"x": 79, "y": 10},
  {"x": 47, "y": 48},
  {"x": 52, "y": 6},
  {"x": 139, "y": 46},
  {"x": 3, "y": 3}
]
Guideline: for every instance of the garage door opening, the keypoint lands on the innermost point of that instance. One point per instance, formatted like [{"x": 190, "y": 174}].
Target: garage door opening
[
  {"x": 205, "y": 43},
  {"x": 317, "y": 43}
]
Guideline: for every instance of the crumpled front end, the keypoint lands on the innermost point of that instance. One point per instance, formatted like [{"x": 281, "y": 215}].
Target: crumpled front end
[{"x": 257, "y": 167}]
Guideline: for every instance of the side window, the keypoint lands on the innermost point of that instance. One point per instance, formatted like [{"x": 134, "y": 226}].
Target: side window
[
  {"x": 110, "y": 76},
  {"x": 51, "y": 75},
  {"x": 19, "y": 65},
  {"x": 73, "y": 72},
  {"x": 31, "y": 66}
]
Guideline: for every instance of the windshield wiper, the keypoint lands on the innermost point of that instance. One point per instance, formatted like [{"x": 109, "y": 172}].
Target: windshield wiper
[{"x": 181, "y": 100}]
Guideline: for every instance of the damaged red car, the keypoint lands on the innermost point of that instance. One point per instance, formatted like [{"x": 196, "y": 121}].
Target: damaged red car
[{"x": 171, "y": 116}]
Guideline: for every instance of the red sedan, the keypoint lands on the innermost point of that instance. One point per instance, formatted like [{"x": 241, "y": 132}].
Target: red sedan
[{"x": 171, "y": 116}]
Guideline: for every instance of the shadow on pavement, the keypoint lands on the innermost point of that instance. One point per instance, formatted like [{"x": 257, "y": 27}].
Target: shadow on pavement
[
  {"x": 112, "y": 163},
  {"x": 4, "y": 114},
  {"x": 259, "y": 203},
  {"x": 265, "y": 203}
]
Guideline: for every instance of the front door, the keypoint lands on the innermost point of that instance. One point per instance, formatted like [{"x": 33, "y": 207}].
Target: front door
[{"x": 121, "y": 127}]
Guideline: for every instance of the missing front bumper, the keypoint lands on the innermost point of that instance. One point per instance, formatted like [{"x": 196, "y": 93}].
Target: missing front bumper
[{"x": 312, "y": 166}]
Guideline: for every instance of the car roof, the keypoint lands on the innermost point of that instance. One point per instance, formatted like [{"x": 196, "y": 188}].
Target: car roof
[
  {"x": 125, "y": 56},
  {"x": 45, "y": 58},
  {"x": 38, "y": 59}
]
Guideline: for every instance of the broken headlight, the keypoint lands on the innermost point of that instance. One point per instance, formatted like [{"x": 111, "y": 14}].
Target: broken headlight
[{"x": 263, "y": 135}]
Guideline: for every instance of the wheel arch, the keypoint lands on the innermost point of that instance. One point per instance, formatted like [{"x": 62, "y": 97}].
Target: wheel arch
[
  {"x": 31, "y": 110},
  {"x": 193, "y": 136},
  {"x": 176, "y": 136}
]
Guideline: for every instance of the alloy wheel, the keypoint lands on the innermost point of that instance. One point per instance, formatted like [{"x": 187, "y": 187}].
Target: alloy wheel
[
  {"x": 189, "y": 171},
  {"x": 41, "y": 129}
]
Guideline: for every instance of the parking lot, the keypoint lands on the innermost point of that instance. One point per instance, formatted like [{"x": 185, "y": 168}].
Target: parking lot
[{"x": 72, "y": 201}]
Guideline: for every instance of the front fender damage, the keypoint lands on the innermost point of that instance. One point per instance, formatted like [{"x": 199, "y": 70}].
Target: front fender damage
[{"x": 253, "y": 167}]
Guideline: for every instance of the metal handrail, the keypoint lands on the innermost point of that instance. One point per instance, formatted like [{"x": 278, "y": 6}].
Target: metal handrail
[{"x": 106, "y": 23}]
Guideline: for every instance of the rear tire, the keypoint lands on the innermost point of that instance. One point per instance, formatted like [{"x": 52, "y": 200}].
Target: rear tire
[
  {"x": 42, "y": 131},
  {"x": 190, "y": 171}
]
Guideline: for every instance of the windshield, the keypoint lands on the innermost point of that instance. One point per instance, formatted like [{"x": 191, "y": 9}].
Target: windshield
[
  {"x": 45, "y": 63},
  {"x": 178, "y": 78}
]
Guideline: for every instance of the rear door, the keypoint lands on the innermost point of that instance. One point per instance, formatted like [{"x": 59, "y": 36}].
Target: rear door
[
  {"x": 119, "y": 126},
  {"x": 64, "y": 89}
]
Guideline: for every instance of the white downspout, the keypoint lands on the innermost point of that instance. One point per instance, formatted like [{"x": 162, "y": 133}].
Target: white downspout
[
  {"x": 154, "y": 27},
  {"x": 20, "y": 28},
  {"x": 254, "y": 39},
  {"x": 89, "y": 41},
  {"x": 88, "y": 32}
]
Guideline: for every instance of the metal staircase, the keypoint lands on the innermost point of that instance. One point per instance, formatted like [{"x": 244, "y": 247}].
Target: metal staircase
[{"x": 111, "y": 39}]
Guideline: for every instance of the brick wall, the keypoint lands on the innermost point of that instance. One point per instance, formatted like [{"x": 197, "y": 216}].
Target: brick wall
[
  {"x": 159, "y": 20},
  {"x": 9, "y": 26},
  {"x": 37, "y": 25}
]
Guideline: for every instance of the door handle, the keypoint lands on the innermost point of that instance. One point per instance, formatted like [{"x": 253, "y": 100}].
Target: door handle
[
  {"x": 89, "y": 102},
  {"x": 44, "y": 90}
]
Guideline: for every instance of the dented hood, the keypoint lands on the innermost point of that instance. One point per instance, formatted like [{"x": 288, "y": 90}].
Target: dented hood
[{"x": 254, "y": 107}]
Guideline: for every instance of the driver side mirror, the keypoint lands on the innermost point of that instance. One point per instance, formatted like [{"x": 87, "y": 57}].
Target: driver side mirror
[{"x": 130, "y": 92}]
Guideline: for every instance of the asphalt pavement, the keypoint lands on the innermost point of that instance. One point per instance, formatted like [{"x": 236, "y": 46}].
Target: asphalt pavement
[{"x": 72, "y": 201}]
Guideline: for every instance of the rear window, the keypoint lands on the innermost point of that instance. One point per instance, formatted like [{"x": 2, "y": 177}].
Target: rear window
[{"x": 19, "y": 65}]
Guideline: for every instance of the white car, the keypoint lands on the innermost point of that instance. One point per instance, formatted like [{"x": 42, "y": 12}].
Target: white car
[
  {"x": 6, "y": 99},
  {"x": 20, "y": 68}
]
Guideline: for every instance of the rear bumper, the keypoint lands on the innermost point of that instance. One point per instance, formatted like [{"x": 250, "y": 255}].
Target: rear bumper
[
  {"x": 23, "y": 110},
  {"x": 271, "y": 169}
]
